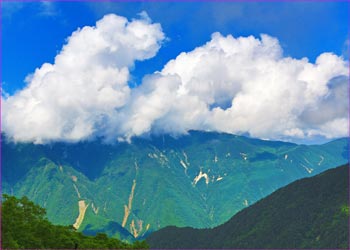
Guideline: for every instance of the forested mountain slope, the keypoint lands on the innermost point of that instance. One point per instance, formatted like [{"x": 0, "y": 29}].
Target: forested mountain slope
[
  {"x": 308, "y": 213},
  {"x": 131, "y": 189}
]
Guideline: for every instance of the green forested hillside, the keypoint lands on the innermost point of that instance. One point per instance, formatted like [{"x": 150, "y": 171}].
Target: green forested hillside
[
  {"x": 309, "y": 213},
  {"x": 128, "y": 190},
  {"x": 23, "y": 225}
]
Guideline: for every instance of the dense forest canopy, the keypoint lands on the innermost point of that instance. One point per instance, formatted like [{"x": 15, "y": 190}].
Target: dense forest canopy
[{"x": 24, "y": 225}]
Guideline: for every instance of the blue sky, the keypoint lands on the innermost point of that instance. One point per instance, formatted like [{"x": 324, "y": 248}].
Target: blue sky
[
  {"x": 33, "y": 33},
  {"x": 254, "y": 68}
]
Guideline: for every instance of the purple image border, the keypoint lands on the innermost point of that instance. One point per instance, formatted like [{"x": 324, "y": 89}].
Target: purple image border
[
  {"x": 182, "y": 1},
  {"x": 174, "y": 1}
]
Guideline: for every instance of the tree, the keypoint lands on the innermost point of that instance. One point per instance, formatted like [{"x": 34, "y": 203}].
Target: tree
[{"x": 24, "y": 225}]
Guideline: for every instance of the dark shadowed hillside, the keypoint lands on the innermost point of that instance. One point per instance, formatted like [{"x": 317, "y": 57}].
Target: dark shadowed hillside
[{"x": 309, "y": 213}]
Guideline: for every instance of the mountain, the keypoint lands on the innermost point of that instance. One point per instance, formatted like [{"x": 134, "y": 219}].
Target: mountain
[
  {"x": 131, "y": 189},
  {"x": 309, "y": 213}
]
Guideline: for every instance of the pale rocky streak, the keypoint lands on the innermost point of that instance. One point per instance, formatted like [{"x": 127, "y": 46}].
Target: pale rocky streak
[
  {"x": 152, "y": 156},
  {"x": 306, "y": 160},
  {"x": 186, "y": 158},
  {"x": 245, "y": 203},
  {"x": 162, "y": 158},
  {"x": 127, "y": 208},
  {"x": 309, "y": 170},
  {"x": 320, "y": 162},
  {"x": 244, "y": 156},
  {"x": 200, "y": 176},
  {"x": 136, "y": 167},
  {"x": 183, "y": 164},
  {"x": 77, "y": 190},
  {"x": 136, "y": 229},
  {"x": 95, "y": 209},
  {"x": 82, "y": 210}
]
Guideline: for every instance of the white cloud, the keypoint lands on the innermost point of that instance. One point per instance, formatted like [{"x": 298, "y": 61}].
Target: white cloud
[
  {"x": 245, "y": 85},
  {"x": 72, "y": 98},
  {"x": 233, "y": 85}
]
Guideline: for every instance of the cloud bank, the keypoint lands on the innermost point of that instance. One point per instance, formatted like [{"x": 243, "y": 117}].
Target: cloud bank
[
  {"x": 234, "y": 85},
  {"x": 74, "y": 97}
]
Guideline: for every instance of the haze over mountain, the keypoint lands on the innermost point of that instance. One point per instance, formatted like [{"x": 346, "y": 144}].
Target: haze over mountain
[
  {"x": 308, "y": 213},
  {"x": 199, "y": 180}
]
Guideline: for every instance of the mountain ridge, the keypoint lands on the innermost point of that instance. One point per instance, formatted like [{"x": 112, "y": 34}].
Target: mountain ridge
[
  {"x": 312, "y": 212},
  {"x": 203, "y": 178}
]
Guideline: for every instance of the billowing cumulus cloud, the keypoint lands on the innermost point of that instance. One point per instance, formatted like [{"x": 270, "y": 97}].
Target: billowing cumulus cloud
[
  {"x": 244, "y": 85},
  {"x": 74, "y": 97},
  {"x": 234, "y": 85}
]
